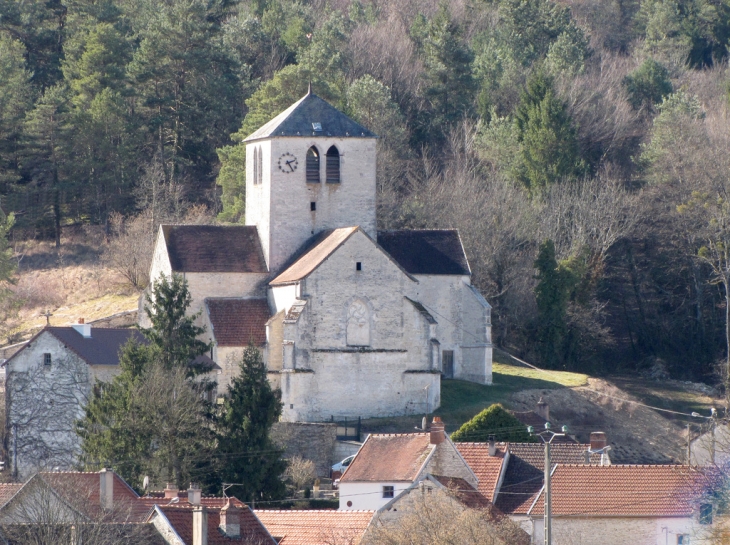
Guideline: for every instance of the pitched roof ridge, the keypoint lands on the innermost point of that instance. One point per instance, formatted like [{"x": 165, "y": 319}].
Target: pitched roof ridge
[
  {"x": 637, "y": 466},
  {"x": 288, "y": 511}
]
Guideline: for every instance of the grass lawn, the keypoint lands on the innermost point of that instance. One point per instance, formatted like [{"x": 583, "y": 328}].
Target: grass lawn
[{"x": 461, "y": 400}]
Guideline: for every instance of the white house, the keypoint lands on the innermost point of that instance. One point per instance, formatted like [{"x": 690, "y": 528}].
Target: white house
[
  {"x": 351, "y": 321},
  {"x": 389, "y": 464},
  {"x": 632, "y": 504},
  {"x": 47, "y": 385}
]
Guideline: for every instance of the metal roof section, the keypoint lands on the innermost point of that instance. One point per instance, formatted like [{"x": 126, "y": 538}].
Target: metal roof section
[{"x": 311, "y": 116}]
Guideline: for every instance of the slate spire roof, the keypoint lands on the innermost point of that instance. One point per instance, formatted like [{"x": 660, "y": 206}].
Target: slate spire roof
[{"x": 311, "y": 116}]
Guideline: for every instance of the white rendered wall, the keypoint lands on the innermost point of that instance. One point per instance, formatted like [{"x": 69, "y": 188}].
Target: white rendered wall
[
  {"x": 280, "y": 206},
  {"x": 367, "y": 496},
  {"x": 617, "y": 530}
]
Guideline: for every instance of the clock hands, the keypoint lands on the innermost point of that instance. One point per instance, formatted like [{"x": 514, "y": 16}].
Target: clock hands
[{"x": 288, "y": 163}]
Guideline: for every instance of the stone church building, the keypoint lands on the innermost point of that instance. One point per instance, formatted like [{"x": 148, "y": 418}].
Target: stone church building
[{"x": 352, "y": 321}]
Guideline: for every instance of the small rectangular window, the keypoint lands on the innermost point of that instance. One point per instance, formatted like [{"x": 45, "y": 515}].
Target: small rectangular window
[
  {"x": 313, "y": 206},
  {"x": 706, "y": 513},
  {"x": 358, "y": 266},
  {"x": 682, "y": 539},
  {"x": 47, "y": 360},
  {"x": 388, "y": 491}
]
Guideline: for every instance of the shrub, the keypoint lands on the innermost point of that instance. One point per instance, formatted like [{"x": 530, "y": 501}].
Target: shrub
[{"x": 494, "y": 420}]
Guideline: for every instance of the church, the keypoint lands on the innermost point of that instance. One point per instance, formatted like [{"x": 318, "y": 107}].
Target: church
[{"x": 351, "y": 321}]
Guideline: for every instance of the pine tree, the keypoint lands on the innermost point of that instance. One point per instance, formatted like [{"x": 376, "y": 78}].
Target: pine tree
[
  {"x": 173, "y": 334},
  {"x": 549, "y": 145},
  {"x": 552, "y": 294},
  {"x": 247, "y": 455}
]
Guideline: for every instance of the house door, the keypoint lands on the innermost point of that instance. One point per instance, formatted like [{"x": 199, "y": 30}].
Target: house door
[{"x": 447, "y": 363}]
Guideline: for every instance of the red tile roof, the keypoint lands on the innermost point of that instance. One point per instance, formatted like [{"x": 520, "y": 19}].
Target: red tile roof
[
  {"x": 523, "y": 478},
  {"x": 624, "y": 490},
  {"x": 389, "y": 458},
  {"x": 326, "y": 243},
  {"x": 82, "y": 490},
  {"x": 487, "y": 468},
  {"x": 7, "y": 491},
  {"x": 214, "y": 248},
  {"x": 464, "y": 492},
  {"x": 315, "y": 527},
  {"x": 237, "y": 322},
  {"x": 252, "y": 530},
  {"x": 158, "y": 498}
]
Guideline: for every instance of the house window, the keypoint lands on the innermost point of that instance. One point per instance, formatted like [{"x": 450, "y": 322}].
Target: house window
[
  {"x": 47, "y": 360},
  {"x": 313, "y": 206},
  {"x": 706, "y": 513},
  {"x": 388, "y": 491},
  {"x": 682, "y": 539},
  {"x": 333, "y": 166},
  {"x": 358, "y": 266},
  {"x": 312, "y": 166},
  {"x": 447, "y": 363}
]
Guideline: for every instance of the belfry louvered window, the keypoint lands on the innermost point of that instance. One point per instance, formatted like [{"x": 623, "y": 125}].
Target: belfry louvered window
[
  {"x": 255, "y": 166},
  {"x": 260, "y": 171},
  {"x": 333, "y": 166},
  {"x": 312, "y": 166}
]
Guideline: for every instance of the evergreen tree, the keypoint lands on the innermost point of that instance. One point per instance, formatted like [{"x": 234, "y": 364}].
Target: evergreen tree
[
  {"x": 552, "y": 294},
  {"x": 246, "y": 453},
  {"x": 648, "y": 85},
  {"x": 450, "y": 84},
  {"x": 549, "y": 146},
  {"x": 173, "y": 334},
  {"x": 494, "y": 420}
]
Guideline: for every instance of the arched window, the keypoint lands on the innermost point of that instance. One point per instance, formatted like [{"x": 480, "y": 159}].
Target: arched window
[
  {"x": 333, "y": 166},
  {"x": 358, "y": 324},
  {"x": 312, "y": 165},
  {"x": 260, "y": 179}
]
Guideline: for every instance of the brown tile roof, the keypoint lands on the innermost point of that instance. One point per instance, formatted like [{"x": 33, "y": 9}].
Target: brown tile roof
[
  {"x": 426, "y": 251},
  {"x": 523, "y": 478},
  {"x": 236, "y": 322},
  {"x": 321, "y": 247},
  {"x": 389, "y": 458},
  {"x": 158, "y": 498},
  {"x": 624, "y": 490},
  {"x": 252, "y": 531},
  {"x": 102, "y": 348},
  {"x": 487, "y": 468},
  {"x": 7, "y": 491},
  {"x": 315, "y": 527},
  {"x": 214, "y": 248},
  {"x": 81, "y": 490},
  {"x": 464, "y": 492}
]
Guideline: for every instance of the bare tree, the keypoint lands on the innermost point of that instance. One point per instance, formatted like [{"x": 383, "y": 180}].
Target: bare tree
[
  {"x": 300, "y": 472},
  {"x": 130, "y": 249}
]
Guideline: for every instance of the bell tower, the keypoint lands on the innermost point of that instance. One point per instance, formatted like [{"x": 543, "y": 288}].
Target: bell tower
[{"x": 308, "y": 170}]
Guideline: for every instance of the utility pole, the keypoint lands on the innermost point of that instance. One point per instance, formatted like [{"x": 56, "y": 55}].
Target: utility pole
[{"x": 547, "y": 436}]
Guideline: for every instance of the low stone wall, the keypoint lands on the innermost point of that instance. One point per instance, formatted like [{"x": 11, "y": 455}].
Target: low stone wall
[{"x": 311, "y": 441}]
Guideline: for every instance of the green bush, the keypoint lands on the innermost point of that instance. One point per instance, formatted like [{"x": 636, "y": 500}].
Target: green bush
[{"x": 494, "y": 420}]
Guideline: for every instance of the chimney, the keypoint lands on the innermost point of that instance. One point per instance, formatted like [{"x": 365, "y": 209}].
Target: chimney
[
  {"x": 171, "y": 491},
  {"x": 492, "y": 446},
  {"x": 543, "y": 410},
  {"x": 598, "y": 440},
  {"x": 437, "y": 431},
  {"x": 83, "y": 329},
  {"x": 200, "y": 525},
  {"x": 106, "y": 488},
  {"x": 231, "y": 520},
  {"x": 194, "y": 494}
]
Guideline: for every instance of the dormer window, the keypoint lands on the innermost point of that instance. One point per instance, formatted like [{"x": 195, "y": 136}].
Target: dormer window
[
  {"x": 333, "y": 166},
  {"x": 312, "y": 166},
  {"x": 317, "y": 127}
]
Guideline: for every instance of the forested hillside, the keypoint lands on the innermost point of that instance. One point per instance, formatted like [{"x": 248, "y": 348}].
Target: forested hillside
[{"x": 581, "y": 149}]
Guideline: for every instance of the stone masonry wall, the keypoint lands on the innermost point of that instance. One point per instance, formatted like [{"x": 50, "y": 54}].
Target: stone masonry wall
[
  {"x": 281, "y": 205},
  {"x": 315, "y": 442}
]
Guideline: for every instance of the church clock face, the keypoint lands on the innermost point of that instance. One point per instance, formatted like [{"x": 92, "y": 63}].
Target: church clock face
[{"x": 288, "y": 163}]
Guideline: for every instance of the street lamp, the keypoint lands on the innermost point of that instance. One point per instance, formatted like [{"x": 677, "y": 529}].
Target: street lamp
[{"x": 547, "y": 436}]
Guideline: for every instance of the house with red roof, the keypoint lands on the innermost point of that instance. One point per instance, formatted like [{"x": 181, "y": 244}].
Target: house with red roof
[
  {"x": 636, "y": 504},
  {"x": 389, "y": 464}
]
